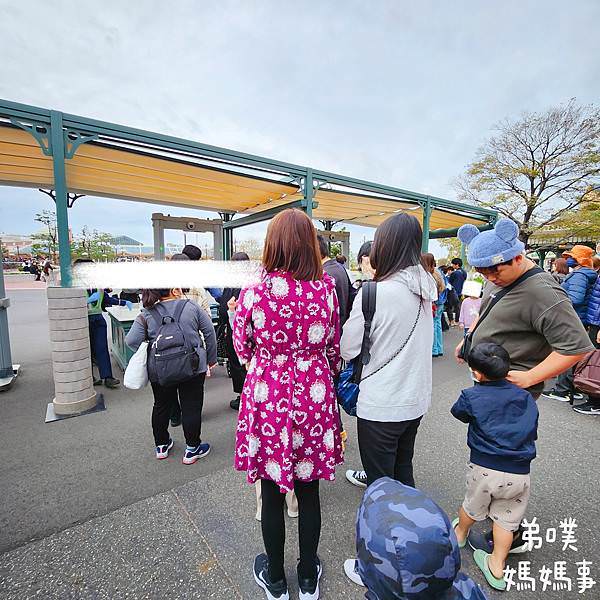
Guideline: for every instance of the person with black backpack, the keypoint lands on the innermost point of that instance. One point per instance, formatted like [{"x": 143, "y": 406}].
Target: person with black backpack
[{"x": 178, "y": 363}]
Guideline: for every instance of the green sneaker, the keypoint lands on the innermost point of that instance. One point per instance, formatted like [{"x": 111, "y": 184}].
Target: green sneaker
[{"x": 481, "y": 560}]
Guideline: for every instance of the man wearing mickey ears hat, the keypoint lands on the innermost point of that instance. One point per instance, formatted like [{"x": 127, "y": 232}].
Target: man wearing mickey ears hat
[{"x": 524, "y": 310}]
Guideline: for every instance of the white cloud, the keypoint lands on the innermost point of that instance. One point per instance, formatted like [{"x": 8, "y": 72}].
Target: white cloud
[{"x": 389, "y": 91}]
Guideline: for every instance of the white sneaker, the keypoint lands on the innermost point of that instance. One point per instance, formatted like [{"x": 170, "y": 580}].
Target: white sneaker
[
  {"x": 350, "y": 567},
  {"x": 358, "y": 478}
]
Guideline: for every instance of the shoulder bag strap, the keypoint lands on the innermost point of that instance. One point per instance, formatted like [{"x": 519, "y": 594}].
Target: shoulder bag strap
[
  {"x": 497, "y": 297},
  {"x": 369, "y": 300},
  {"x": 179, "y": 309},
  {"x": 387, "y": 362}
]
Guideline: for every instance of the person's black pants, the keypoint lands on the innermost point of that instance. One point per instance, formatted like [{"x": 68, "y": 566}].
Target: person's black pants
[
  {"x": 191, "y": 397},
  {"x": 99, "y": 345},
  {"x": 273, "y": 526},
  {"x": 387, "y": 449},
  {"x": 453, "y": 306},
  {"x": 238, "y": 372}
]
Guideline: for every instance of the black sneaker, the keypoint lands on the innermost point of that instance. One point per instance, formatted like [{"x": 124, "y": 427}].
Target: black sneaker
[
  {"x": 309, "y": 586},
  {"x": 275, "y": 590},
  {"x": 556, "y": 395},
  {"x": 587, "y": 409},
  {"x": 235, "y": 404},
  {"x": 485, "y": 542},
  {"x": 112, "y": 383}
]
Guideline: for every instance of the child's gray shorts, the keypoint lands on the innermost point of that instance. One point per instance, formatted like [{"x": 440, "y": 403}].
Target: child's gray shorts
[{"x": 501, "y": 496}]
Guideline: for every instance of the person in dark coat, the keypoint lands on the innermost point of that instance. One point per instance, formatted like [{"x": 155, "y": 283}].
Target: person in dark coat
[
  {"x": 343, "y": 286},
  {"x": 236, "y": 369},
  {"x": 578, "y": 284}
]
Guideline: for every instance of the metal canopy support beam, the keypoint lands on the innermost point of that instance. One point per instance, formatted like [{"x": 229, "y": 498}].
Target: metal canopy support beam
[
  {"x": 263, "y": 215},
  {"x": 161, "y": 222},
  {"x": 437, "y": 234},
  {"x": 61, "y": 196},
  {"x": 308, "y": 193},
  {"x": 227, "y": 237},
  {"x": 426, "y": 219}
]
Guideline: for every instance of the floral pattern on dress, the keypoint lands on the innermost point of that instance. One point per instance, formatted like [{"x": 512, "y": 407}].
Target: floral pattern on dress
[{"x": 288, "y": 332}]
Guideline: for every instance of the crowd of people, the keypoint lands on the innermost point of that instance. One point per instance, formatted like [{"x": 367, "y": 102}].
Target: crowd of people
[
  {"x": 40, "y": 267},
  {"x": 287, "y": 339}
]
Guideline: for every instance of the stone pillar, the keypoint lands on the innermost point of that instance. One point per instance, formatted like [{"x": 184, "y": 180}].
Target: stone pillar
[{"x": 71, "y": 356}]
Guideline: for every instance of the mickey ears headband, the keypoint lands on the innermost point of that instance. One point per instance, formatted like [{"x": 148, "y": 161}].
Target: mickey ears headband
[{"x": 505, "y": 229}]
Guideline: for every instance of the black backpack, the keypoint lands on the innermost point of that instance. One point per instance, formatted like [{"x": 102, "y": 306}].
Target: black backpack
[{"x": 172, "y": 358}]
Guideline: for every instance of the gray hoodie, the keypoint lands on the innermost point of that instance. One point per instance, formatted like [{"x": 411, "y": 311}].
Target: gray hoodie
[{"x": 401, "y": 391}]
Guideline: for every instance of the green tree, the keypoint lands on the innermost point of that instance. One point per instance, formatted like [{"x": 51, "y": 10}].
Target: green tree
[
  {"x": 537, "y": 168},
  {"x": 452, "y": 247},
  {"x": 93, "y": 244},
  {"x": 46, "y": 241},
  {"x": 584, "y": 221}
]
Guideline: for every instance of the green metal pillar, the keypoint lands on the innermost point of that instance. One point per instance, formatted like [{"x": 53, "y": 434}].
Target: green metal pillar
[
  {"x": 60, "y": 190},
  {"x": 426, "y": 206},
  {"x": 308, "y": 192},
  {"x": 227, "y": 237},
  {"x": 6, "y": 366}
]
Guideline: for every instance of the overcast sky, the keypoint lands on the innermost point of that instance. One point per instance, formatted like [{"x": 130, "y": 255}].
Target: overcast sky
[{"x": 391, "y": 91}]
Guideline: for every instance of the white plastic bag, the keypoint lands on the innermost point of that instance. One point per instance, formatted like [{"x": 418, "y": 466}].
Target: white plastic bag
[{"x": 136, "y": 373}]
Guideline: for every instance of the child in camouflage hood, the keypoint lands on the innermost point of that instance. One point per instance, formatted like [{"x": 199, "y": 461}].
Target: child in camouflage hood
[{"x": 406, "y": 547}]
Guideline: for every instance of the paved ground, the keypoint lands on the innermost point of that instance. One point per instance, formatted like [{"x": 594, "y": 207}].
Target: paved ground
[{"x": 87, "y": 512}]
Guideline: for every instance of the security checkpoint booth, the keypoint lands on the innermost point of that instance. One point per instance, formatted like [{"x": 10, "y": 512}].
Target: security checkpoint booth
[{"x": 77, "y": 157}]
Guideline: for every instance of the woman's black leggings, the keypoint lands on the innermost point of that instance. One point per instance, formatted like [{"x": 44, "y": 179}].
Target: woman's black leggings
[{"x": 273, "y": 526}]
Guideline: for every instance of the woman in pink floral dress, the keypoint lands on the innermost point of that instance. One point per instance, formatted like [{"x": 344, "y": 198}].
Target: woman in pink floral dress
[{"x": 287, "y": 329}]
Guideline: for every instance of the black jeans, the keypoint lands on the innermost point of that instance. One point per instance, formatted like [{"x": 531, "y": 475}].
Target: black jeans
[
  {"x": 273, "y": 526},
  {"x": 387, "y": 449},
  {"x": 238, "y": 372},
  {"x": 453, "y": 306},
  {"x": 191, "y": 397}
]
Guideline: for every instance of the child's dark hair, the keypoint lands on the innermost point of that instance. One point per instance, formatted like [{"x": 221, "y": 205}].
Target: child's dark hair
[{"x": 491, "y": 360}]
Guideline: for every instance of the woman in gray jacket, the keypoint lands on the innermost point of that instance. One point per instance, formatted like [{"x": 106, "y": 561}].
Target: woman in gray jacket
[
  {"x": 395, "y": 391},
  {"x": 159, "y": 304}
]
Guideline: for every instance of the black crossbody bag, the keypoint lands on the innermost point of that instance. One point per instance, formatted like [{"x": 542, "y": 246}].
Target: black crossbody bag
[{"x": 468, "y": 341}]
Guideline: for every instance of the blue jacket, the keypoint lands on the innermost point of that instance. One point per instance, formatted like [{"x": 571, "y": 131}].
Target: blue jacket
[
  {"x": 578, "y": 286},
  {"x": 593, "y": 310},
  {"x": 406, "y": 547},
  {"x": 503, "y": 421},
  {"x": 457, "y": 280}
]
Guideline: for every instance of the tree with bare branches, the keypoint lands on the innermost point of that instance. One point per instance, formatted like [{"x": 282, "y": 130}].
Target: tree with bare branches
[
  {"x": 537, "y": 169},
  {"x": 49, "y": 237}
]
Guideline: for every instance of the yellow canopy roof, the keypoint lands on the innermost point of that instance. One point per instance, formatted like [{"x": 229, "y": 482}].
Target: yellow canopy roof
[{"x": 108, "y": 168}]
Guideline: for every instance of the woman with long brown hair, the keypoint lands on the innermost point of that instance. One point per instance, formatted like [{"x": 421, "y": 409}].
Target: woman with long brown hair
[
  {"x": 395, "y": 389},
  {"x": 286, "y": 329}
]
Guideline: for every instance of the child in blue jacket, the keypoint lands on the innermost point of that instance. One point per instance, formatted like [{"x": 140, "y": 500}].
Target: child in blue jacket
[{"x": 503, "y": 421}]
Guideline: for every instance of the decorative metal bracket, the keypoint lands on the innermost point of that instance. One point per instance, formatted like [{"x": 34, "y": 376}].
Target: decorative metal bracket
[
  {"x": 71, "y": 196},
  {"x": 40, "y": 131},
  {"x": 74, "y": 139}
]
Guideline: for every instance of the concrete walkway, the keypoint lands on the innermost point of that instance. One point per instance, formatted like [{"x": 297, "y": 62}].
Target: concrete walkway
[{"x": 87, "y": 512}]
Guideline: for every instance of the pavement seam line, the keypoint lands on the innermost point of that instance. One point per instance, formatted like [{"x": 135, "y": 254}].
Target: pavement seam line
[{"x": 190, "y": 518}]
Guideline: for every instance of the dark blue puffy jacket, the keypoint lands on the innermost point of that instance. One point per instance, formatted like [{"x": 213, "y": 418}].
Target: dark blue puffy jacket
[
  {"x": 578, "y": 286},
  {"x": 593, "y": 309}
]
